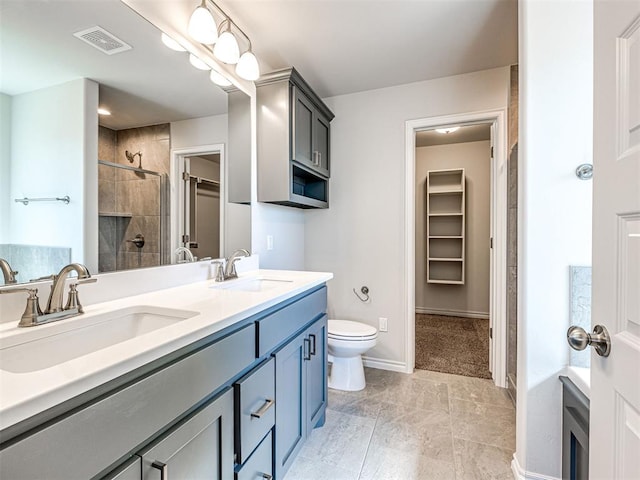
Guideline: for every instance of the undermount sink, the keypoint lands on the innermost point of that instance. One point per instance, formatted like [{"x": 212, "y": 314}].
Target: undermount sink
[
  {"x": 40, "y": 349},
  {"x": 253, "y": 284}
]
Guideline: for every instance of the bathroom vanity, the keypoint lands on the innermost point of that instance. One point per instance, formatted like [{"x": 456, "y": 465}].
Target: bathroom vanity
[{"x": 230, "y": 390}]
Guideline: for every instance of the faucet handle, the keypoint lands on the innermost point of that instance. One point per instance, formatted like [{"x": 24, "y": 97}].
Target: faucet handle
[
  {"x": 219, "y": 267},
  {"x": 86, "y": 280},
  {"x": 32, "y": 310},
  {"x": 73, "y": 301}
]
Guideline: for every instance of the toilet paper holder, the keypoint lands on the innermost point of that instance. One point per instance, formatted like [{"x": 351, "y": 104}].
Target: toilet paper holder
[{"x": 365, "y": 291}]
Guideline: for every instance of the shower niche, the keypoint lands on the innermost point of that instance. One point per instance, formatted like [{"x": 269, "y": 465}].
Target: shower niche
[{"x": 445, "y": 226}]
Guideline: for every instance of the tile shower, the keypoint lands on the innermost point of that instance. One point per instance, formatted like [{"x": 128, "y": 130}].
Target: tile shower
[{"x": 133, "y": 197}]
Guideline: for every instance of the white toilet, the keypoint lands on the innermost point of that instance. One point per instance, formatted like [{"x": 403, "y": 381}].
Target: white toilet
[{"x": 347, "y": 342}]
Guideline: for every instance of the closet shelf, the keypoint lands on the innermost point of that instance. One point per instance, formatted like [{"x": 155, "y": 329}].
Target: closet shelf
[
  {"x": 445, "y": 237},
  {"x": 445, "y": 259},
  {"x": 115, "y": 214},
  {"x": 448, "y": 191},
  {"x": 449, "y": 214}
]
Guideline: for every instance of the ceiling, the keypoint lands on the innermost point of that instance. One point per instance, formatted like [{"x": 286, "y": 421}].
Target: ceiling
[
  {"x": 339, "y": 46},
  {"x": 347, "y": 46},
  {"x": 469, "y": 133}
]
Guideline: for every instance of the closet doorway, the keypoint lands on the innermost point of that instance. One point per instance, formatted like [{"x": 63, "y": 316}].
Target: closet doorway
[
  {"x": 457, "y": 247},
  {"x": 452, "y": 249}
]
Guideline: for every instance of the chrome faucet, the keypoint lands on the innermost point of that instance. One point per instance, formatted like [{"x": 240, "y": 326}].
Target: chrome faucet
[
  {"x": 7, "y": 272},
  {"x": 187, "y": 253},
  {"x": 230, "y": 267},
  {"x": 54, "y": 304}
]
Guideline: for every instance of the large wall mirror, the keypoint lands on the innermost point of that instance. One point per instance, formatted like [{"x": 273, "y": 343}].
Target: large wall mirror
[{"x": 117, "y": 191}]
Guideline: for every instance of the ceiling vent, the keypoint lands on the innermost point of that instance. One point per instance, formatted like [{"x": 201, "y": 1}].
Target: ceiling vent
[{"x": 104, "y": 41}]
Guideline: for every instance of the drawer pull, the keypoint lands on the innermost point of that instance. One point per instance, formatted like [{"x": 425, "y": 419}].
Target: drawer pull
[
  {"x": 263, "y": 409},
  {"x": 313, "y": 345},
  {"x": 267, "y": 476},
  {"x": 163, "y": 467}
]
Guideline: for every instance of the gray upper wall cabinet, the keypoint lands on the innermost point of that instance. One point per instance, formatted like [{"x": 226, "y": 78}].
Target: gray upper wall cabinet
[
  {"x": 239, "y": 154},
  {"x": 293, "y": 142}
]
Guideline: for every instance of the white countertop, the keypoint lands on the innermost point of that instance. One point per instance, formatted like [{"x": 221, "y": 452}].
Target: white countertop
[
  {"x": 23, "y": 395},
  {"x": 581, "y": 377}
]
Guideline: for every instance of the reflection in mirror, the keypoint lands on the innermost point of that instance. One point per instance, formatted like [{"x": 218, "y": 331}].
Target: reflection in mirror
[{"x": 119, "y": 171}]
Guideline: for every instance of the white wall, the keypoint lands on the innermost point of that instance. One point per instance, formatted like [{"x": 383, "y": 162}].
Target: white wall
[
  {"x": 209, "y": 131},
  {"x": 48, "y": 131},
  {"x": 556, "y": 83},
  {"x": 287, "y": 227},
  {"x": 361, "y": 237},
  {"x": 472, "y": 298},
  {"x": 5, "y": 165}
]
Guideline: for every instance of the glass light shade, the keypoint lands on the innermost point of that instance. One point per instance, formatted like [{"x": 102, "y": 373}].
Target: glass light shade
[
  {"x": 202, "y": 27},
  {"x": 447, "y": 130},
  {"x": 247, "y": 66},
  {"x": 196, "y": 62},
  {"x": 171, "y": 43},
  {"x": 219, "y": 79},
  {"x": 103, "y": 111},
  {"x": 226, "y": 49}
]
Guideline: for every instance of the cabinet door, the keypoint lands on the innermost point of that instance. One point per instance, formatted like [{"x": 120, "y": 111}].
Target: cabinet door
[
  {"x": 199, "y": 447},
  {"x": 321, "y": 144},
  {"x": 290, "y": 415},
  {"x": 302, "y": 125},
  {"x": 316, "y": 381},
  {"x": 131, "y": 470}
]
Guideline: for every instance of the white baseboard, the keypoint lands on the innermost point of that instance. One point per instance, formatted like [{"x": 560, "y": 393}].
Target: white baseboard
[
  {"x": 521, "y": 474},
  {"x": 384, "y": 364},
  {"x": 452, "y": 313}
]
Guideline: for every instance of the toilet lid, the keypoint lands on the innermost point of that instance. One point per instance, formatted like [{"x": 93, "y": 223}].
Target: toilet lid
[{"x": 349, "y": 329}]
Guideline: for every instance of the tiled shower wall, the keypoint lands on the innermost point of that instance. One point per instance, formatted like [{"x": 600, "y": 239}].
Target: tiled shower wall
[
  {"x": 129, "y": 201},
  {"x": 512, "y": 238}
]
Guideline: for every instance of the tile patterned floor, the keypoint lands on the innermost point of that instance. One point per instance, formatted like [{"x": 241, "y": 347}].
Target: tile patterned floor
[{"x": 424, "y": 426}]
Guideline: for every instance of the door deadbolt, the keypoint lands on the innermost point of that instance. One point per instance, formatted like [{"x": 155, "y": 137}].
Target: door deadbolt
[{"x": 579, "y": 339}]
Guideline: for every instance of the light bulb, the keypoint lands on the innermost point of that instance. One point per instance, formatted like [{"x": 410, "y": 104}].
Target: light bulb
[
  {"x": 226, "y": 49},
  {"x": 103, "y": 111},
  {"x": 202, "y": 27},
  {"x": 219, "y": 79},
  {"x": 247, "y": 66},
  {"x": 196, "y": 62},
  {"x": 171, "y": 43}
]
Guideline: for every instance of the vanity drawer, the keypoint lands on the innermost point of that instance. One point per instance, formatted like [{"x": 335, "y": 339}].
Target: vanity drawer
[
  {"x": 274, "y": 329},
  {"x": 255, "y": 412},
  {"x": 98, "y": 435},
  {"x": 260, "y": 463}
]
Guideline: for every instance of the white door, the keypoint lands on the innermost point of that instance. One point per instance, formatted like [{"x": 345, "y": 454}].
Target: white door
[{"x": 614, "y": 438}]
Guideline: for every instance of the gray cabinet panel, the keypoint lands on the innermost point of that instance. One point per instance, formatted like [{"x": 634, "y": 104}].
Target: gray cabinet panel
[
  {"x": 239, "y": 154},
  {"x": 100, "y": 434},
  {"x": 131, "y": 470},
  {"x": 277, "y": 327},
  {"x": 255, "y": 408},
  {"x": 321, "y": 143},
  {"x": 302, "y": 150},
  {"x": 199, "y": 447},
  {"x": 260, "y": 464},
  {"x": 290, "y": 425},
  {"x": 316, "y": 384}
]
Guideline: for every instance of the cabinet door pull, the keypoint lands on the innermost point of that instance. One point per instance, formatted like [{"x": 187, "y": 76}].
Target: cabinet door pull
[
  {"x": 163, "y": 467},
  {"x": 268, "y": 403},
  {"x": 313, "y": 345},
  {"x": 306, "y": 347},
  {"x": 319, "y": 158},
  {"x": 267, "y": 476}
]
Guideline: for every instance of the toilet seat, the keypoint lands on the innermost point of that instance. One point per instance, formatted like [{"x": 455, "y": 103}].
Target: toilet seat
[{"x": 351, "y": 331}]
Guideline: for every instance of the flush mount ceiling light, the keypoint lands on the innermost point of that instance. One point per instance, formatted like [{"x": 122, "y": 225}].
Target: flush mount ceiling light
[
  {"x": 196, "y": 62},
  {"x": 219, "y": 80},
  {"x": 202, "y": 26},
  {"x": 447, "y": 130},
  {"x": 103, "y": 111},
  {"x": 226, "y": 48},
  {"x": 171, "y": 43}
]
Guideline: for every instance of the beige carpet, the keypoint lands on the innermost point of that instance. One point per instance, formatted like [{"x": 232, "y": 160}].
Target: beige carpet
[{"x": 452, "y": 345}]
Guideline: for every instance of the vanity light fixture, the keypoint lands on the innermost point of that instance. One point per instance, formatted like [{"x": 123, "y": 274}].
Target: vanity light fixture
[
  {"x": 226, "y": 48},
  {"x": 171, "y": 43},
  {"x": 202, "y": 26},
  {"x": 247, "y": 66},
  {"x": 447, "y": 130},
  {"x": 103, "y": 111},
  {"x": 196, "y": 62},
  {"x": 219, "y": 80}
]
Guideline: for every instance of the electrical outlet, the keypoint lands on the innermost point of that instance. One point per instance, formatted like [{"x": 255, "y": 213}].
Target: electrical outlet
[
  {"x": 269, "y": 242},
  {"x": 383, "y": 324}
]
